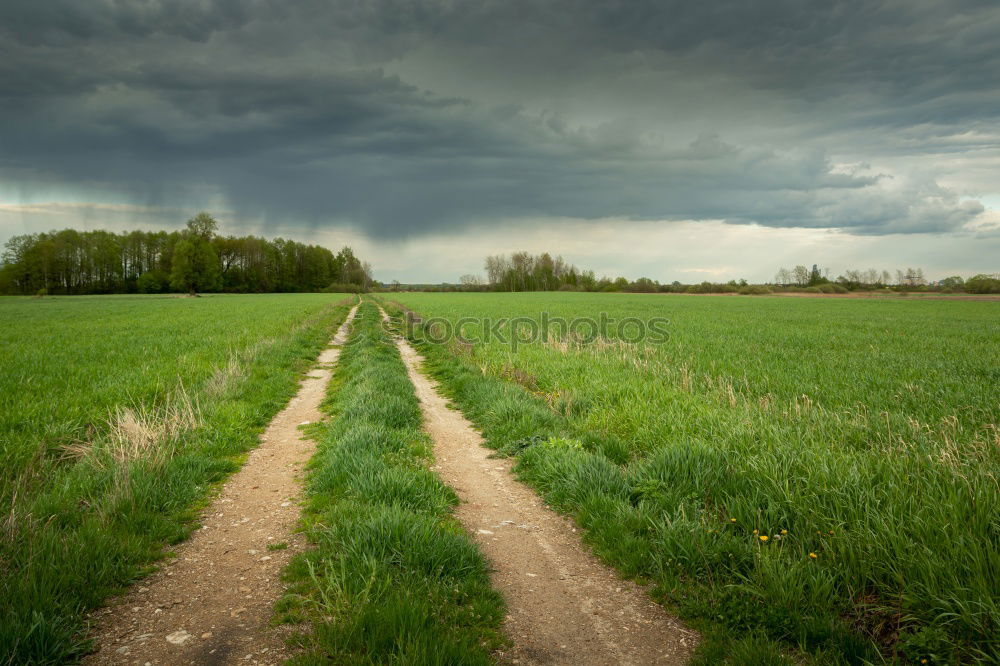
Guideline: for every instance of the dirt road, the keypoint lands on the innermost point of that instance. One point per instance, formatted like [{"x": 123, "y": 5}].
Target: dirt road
[{"x": 564, "y": 606}]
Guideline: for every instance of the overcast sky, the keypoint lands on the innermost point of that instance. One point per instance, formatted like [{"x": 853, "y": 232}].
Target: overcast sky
[{"x": 674, "y": 140}]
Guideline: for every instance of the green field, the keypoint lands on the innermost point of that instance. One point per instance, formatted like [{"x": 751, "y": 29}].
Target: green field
[
  {"x": 813, "y": 474},
  {"x": 804, "y": 480},
  {"x": 117, "y": 415}
]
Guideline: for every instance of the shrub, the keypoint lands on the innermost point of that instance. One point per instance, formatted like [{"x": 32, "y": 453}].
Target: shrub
[
  {"x": 755, "y": 290},
  {"x": 151, "y": 282},
  {"x": 711, "y": 288},
  {"x": 643, "y": 286},
  {"x": 983, "y": 284}
]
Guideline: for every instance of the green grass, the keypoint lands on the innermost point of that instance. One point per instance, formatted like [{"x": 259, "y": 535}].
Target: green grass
[
  {"x": 392, "y": 578},
  {"x": 117, "y": 416},
  {"x": 864, "y": 433}
]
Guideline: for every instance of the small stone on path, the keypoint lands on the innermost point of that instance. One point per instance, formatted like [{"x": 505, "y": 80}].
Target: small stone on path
[{"x": 179, "y": 637}]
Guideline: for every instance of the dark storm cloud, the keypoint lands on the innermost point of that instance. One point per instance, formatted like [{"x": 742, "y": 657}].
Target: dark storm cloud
[
  {"x": 290, "y": 110},
  {"x": 60, "y": 22}
]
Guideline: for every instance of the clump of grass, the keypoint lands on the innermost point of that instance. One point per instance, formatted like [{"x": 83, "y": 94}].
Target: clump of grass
[
  {"x": 226, "y": 376},
  {"x": 392, "y": 578},
  {"x": 140, "y": 432}
]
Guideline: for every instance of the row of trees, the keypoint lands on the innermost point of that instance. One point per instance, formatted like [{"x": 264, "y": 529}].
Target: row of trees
[
  {"x": 874, "y": 279},
  {"x": 522, "y": 271},
  {"x": 983, "y": 283},
  {"x": 194, "y": 259},
  {"x": 871, "y": 278},
  {"x": 642, "y": 285}
]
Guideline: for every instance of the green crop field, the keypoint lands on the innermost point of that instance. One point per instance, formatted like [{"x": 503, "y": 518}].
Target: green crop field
[
  {"x": 117, "y": 414},
  {"x": 809, "y": 474},
  {"x": 803, "y": 480}
]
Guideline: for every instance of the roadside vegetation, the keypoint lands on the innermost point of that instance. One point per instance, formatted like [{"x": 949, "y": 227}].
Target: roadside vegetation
[
  {"x": 806, "y": 477},
  {"x": 391, "y": 577},
  {"x": 118, "y": 414}
]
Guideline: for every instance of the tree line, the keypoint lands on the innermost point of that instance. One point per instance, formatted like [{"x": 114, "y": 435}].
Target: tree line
[
  {"x": 189, "y": 260},
  {"x": 872, "y": 279},
  {"x": 523, "y": 271}
]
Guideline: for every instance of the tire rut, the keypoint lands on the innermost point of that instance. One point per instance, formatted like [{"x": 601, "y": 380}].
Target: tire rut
[{"x": 564, "y": 606}]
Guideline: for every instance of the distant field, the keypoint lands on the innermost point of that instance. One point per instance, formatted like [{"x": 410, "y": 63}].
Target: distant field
[
  {"x": 116, "y": 414},
  {"x": 816, "y": 472}
]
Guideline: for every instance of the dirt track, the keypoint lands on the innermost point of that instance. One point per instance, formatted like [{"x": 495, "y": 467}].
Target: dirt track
[
  {"x": 564, "y": 606},
  {"x": 212, "y": 604}
]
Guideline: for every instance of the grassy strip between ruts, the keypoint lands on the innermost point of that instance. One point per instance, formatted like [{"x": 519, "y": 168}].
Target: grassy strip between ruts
[
  {"x": 610, "y": 503},
  {"x": 104, "y": 520},
  {"x": 392, "y": 578}
]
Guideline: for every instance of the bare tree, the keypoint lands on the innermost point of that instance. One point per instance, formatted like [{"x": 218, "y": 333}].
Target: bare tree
[
  {"x": 520, "y": 265},
  {"x": 801, "y": 275},
  {"x": 913, "y": 277},
  {"x": 496, "y": 267},
  {"x": 366, "y": 269}
]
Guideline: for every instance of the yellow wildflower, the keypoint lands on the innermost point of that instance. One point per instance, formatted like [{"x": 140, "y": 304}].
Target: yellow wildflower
[
  {"x": 784, "y": 531},
  {"x": 763, "y": 537},
  {"x": 813, "y": 555},
  {"x": 732, "y": 520}
]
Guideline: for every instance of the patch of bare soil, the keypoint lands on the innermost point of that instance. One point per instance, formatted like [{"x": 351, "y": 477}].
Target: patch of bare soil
[
  {"x": 212, "y": 604},
  {"x": 564, "y": 606}
]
